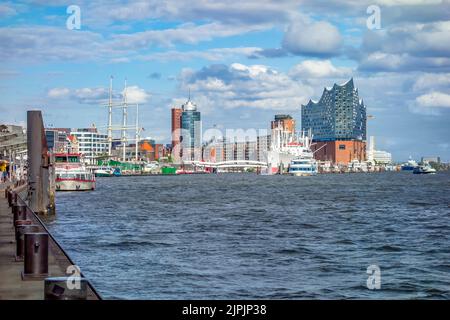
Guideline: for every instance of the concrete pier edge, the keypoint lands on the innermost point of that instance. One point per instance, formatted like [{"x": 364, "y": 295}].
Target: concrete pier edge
[{"x": 12, "y": 287}]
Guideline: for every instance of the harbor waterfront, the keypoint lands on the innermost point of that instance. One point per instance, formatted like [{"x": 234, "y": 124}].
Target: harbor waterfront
[{"x": 248, "y": 236}]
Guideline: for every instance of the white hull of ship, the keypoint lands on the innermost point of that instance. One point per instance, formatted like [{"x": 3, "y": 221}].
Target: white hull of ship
[
  {"x": 302, "y": 174},
  {"x": 73, "y": 185}
]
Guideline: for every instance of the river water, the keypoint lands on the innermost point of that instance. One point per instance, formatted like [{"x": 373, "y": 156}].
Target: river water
[{"x": 243, "y": 236}]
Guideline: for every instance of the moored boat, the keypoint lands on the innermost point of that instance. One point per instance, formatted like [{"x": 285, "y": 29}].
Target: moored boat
[
  {"x": 71, "y": 173},
  {"x": 304, "y": 163},
  {"x": 103, "y": 172},
  {"x": 302, "y": 166}
]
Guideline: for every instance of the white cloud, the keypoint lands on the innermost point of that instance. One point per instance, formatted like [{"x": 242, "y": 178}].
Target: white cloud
[
  {"x": 319, "y": 69},
  {"x": 136, "y": 95},
  {"x": 407, "y": 2},
  {"x": 312, "y": 38},
  {"x": 98, "y": 95},
  {"x": 407, "y": 45},
  {"x": 432, "y": 80},
  {"x": 231, "y": 12},
  {"x": 41, "y": 43},
  {"x": 188, "y": 33},
  {"x": 58, "y": 93},
  {"x": 434, "y": 100},
  {"x": 215, "y": 54},
  {"x": 90, "y": 95},
  {"x": 244, "y": 86},
  {"x": 7, "y": 10},
  {"x": 379, "y": 61}
]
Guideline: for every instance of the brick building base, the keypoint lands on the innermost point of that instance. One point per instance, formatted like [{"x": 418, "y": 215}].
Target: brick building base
[{"x": 340, "y": 151}]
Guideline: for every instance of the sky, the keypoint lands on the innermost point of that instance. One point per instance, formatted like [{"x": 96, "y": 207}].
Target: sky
[{"x": 243, "y": 61}]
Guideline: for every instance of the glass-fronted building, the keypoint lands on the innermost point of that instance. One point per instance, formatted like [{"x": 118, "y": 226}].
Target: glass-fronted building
[
  {"x": 191, "y": 132},
  {"x": 91, "y": 143},
  {"x": 338, "y": 115}
]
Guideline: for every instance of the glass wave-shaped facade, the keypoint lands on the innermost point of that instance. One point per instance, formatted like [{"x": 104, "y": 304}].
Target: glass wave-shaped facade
[{"x": 338, "y": 115}]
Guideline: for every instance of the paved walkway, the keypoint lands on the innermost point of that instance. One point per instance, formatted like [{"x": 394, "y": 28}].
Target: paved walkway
[
  {"x": 12, "y": 287},
  {"x": 3, "y": 186}
]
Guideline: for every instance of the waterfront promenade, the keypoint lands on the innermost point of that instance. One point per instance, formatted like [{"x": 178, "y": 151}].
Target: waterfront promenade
[{"x": 12, "y": 287}]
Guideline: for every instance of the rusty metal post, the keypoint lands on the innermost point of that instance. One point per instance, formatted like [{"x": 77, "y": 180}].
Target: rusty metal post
[
  {"x": 65, "y": 288},
  {"x": 20, "y": 213},
  {"x": 19, "y": 223},
  {"x": 38, "y": 163},
  {"x": 20, "y": 238},
  {"x": 35, "y": 256}
]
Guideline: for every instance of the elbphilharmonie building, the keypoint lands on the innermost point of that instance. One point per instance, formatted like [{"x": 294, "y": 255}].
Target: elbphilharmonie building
[{"x": 338, "y": 124}]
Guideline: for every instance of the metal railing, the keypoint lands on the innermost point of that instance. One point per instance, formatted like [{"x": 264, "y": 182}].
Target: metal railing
[{"x": 57, "y": 244}]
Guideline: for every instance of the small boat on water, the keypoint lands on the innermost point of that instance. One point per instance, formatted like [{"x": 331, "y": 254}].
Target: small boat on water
[
  {"x": 304, "y": 163},
  {"x": 72, "y": 174},
  {"x": 117, "y": 172},
  {"x": 150, "y": 167},
  {"x": 302, "y": 166},
  {"x": 424, "y": 169},
  {"x": 104, "y": 172}
]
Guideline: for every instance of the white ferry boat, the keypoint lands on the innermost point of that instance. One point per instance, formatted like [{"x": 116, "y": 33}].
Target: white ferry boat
[
  {"x": 104, "y": 172},
  {"x": 304, "y": 163},
  {"x": 424, "y": 168},
  {"x": 71, "y": 174}
]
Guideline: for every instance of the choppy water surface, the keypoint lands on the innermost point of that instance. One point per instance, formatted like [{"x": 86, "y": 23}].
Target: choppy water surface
[{"x": 242, "y": 236}]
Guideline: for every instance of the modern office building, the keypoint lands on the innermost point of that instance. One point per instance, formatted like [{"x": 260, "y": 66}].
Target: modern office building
[
  {"x": 58, "y": 139},
  {"x": 222, "y": 150},
  {"x": 191, "y": 132},
  {"x": 263, "y": 144},
  {"x": 338, "y": 124},
  {"x": 92, "y": 144}
]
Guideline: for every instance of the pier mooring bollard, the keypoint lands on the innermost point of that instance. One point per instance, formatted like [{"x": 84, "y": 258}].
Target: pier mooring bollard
[
  {"x": 35, "y": 256},
  {"x": 65, "y": 288},
  {"x": 19, "y": 223},
  {"x": 20, "y": 212},
  {"x": 10, "y": 198},
  {"x": 20, "y": 238}
]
